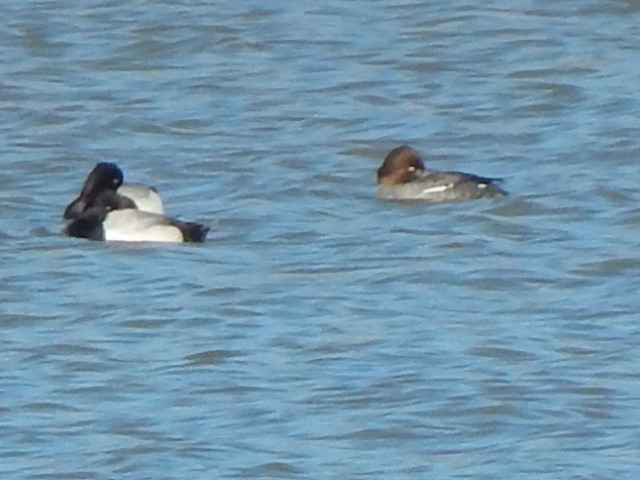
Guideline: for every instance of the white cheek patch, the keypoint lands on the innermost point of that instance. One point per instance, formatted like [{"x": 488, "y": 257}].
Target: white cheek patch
[
  {"x": 482, "y": 185},
  {"x": 438, "y": 189}
]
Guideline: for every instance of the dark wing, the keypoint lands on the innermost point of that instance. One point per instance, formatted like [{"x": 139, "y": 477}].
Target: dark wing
[
  {"x": 74, "y": 209},
  {"x": 462, "y": 177},
  {"x": 87, "y": 225}
]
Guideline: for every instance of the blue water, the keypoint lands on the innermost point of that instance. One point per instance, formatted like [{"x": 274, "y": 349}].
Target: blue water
[{"x": 321, "y": 333}]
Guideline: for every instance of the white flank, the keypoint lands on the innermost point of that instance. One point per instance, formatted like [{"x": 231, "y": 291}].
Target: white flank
[
  {"x": 135, "y": 226},
  {"x": 144, "y": 197},
  {"x": 160, "y": 234}
]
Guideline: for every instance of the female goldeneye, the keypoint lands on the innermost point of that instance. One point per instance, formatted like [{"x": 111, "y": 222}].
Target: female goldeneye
[
  {"x": 108, "y": 176},
  {"x": 403, "y": 176},
  {"x": 112, "y": 218}
]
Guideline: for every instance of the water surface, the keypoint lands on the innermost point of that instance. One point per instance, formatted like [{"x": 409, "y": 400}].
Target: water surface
[{"x": 320, "y": 333}]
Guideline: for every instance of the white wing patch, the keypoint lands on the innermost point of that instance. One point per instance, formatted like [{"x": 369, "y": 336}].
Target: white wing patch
[{"x": 439, "y": 188}]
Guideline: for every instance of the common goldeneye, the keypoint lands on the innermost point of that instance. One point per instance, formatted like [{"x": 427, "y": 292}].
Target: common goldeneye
[{"x": 403, "y": 177}]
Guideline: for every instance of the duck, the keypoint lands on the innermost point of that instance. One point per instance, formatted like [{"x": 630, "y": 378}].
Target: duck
[
  {"x": 403, "y": 177},
  {"x": 108, "y": 176},
  {"x": 112, "y": 218}
]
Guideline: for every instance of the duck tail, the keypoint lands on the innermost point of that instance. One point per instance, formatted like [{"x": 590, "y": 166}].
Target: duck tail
[{"x": 193, "y": 232}]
